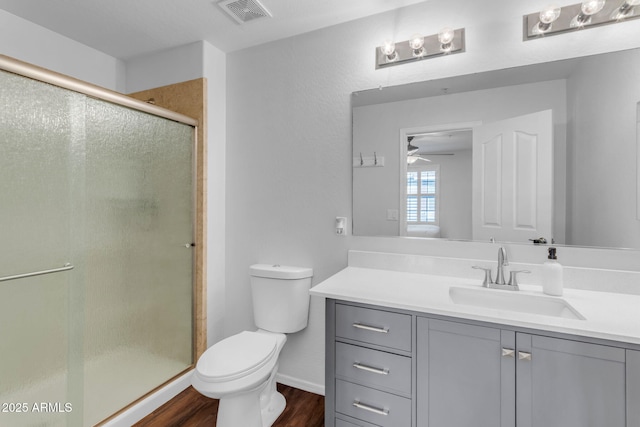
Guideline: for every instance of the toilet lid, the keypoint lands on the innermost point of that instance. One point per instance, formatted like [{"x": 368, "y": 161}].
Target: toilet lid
[{"x": 236, "y": 356}]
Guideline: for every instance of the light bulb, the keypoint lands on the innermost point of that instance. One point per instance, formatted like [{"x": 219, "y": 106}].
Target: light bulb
[
  {"x": 416, "y": 42},
  {"x": 550, "y": 14},
  {"x": 591, "y": 7},
  {"x": 446, "y": 36},
  {"x": 547, "y": 17},
  {"x": 388, "y": 49},
  {"x": 588, "y": 8}
]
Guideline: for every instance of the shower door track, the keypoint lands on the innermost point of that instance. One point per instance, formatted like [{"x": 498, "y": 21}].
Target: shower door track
[{"x": 37, "y": 273}]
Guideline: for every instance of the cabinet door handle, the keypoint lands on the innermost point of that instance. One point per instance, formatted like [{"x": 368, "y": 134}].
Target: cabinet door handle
[
  {"x": 379, "y": 371},
  {"x": 508, "y": 352},
  {"x": 524, "y": 356},
  {"x": 373, "y": 409},
  {"x": 371, "y": 328}
]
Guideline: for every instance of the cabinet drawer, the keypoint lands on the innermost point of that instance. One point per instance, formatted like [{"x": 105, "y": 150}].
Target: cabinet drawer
[
  {"x": 377, "y": 407},
  {"x": 353, "y": 423},
  {"x": 342, "y": 423},
  {"x": 372, "y": 326},
  {"x": 374, "y": 368}
]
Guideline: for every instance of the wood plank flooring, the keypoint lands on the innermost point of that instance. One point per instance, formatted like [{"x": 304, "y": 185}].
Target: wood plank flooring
[{"x": 191, "y": 409}]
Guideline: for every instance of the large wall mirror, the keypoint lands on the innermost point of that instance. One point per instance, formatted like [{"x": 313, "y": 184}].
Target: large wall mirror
[{"x": 542, "y": 151}]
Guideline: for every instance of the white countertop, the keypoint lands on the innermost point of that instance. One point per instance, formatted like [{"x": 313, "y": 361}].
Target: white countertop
[{"x": 610, "y": 316}]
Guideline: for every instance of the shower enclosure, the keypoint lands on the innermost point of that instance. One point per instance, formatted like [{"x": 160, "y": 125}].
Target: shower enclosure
[{"x": 96, "y": 253}]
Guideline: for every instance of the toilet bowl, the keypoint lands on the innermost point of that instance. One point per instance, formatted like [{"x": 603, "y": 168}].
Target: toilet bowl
[{"x": 241, "y": 369}]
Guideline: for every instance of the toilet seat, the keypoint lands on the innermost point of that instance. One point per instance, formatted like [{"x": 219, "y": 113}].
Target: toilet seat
[{"x": 237, "y": 356}]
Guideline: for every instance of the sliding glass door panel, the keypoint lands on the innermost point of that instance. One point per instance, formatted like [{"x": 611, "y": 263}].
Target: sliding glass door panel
[
  {"x": 37, "y": 131},
  {"x": 96, "y": 256},
  {"x": 138, "y": 298}
]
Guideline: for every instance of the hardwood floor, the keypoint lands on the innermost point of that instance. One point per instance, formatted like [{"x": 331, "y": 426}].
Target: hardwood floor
[{"x": 191, "y": 409}]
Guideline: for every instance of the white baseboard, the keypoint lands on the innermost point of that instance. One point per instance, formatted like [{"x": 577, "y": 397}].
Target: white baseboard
[
  {"x": 151, "y": 403},
  {"x": 301, "y": 384}
]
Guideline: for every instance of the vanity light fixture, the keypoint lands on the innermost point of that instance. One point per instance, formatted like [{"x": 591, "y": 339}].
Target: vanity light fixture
[
  {"x": 589, "y": 13},
  {"x": 418, "y": 47}
]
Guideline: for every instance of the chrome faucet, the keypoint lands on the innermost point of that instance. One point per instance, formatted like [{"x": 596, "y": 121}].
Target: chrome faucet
[
  {"x": 502, "y": 262},
  {"x": 500, "y": 283}
]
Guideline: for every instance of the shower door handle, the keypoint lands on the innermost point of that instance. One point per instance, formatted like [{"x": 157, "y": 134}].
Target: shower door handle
[{"x": 66, "y": 267}]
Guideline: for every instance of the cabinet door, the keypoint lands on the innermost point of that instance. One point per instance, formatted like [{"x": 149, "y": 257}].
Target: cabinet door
[
  {"x": 562, "y": 383},
  {"x": 463, "y": 379}
]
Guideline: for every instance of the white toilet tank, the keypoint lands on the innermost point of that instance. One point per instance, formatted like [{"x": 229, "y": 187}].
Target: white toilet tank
[{"x": 280, "y": 297}]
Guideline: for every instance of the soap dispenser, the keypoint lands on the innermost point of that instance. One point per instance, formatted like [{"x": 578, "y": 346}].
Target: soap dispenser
[{"x": 552, "y": 275}]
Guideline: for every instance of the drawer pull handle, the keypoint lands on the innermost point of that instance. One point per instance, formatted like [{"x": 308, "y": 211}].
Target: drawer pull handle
[
  {"x": 524, "y": 356},
  {"x": 371, "y": 328},
  {"x": 507, "y": 352},
  {"x": 378, "y": 411},
  {"x": 383, "y": 371}
]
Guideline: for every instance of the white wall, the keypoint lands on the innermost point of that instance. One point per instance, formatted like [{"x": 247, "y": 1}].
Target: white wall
[
  {"x": 289, "y": 137},
  {"x": 455, "y": 194},
  {"x": 28, "y": 42},
  {"x": 180, "y": 64},
  {"x": 605, "y": 164},
  {"x": 215, "y": 71}
]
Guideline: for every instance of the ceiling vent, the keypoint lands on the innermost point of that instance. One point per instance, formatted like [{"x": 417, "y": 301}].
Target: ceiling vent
[{"x": 243, "y": 11}]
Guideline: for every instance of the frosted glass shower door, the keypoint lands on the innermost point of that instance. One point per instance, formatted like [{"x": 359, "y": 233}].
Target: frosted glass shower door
[
  {"x": 106, "y": 193},
  {"x": 139, "y": 230},
  {"x": 38, "y": 142}
]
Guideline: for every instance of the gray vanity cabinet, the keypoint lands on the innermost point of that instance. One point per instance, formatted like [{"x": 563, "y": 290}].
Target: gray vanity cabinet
[
  {"x": 462, "y": 379},
  {"x": 396, "y": 368}
]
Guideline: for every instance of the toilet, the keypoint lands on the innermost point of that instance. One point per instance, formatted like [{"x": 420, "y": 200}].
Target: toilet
[{"x": 241, "y": 370}]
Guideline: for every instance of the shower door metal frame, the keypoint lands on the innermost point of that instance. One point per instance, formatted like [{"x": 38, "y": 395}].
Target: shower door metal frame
[
  {"x": 44, "y": 75},
  {"x": 47, "y": 76}
]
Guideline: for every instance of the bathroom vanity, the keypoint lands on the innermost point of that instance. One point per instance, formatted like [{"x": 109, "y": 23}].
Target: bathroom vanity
[{"x": 407, "y": 349}]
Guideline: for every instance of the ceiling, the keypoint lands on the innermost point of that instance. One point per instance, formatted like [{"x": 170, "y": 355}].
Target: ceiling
[{"x": 129, "y": 28}]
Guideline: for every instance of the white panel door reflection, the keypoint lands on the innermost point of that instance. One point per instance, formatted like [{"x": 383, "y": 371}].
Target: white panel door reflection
[{"x": 513, "y": 178}]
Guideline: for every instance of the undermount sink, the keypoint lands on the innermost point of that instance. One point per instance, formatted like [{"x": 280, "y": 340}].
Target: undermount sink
[{"x": 514, "y": 301}]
